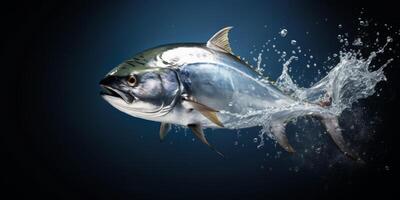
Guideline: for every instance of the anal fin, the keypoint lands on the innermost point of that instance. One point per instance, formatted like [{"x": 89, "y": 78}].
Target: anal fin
[
  {"x": 198, "y": 131},
  {"x": 278, "y": 131}
]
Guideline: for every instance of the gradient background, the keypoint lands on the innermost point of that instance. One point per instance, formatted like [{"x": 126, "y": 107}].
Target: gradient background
[{"x": 65, "y": 142}]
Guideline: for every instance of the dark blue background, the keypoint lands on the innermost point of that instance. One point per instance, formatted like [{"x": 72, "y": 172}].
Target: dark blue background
[{"x": 71, "y": 144}]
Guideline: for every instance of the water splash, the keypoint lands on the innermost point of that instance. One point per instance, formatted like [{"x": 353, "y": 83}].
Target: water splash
[
  {"x": 259, "y": 68},
  {"x": 352, "y": 78}
]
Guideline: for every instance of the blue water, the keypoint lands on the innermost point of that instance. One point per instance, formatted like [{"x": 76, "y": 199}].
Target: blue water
[{"x": 84, "y": 146}]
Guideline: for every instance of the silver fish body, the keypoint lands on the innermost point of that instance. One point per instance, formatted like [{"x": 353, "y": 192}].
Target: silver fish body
[
  {"x": 202, "y": 85},
  {"x": 222, "y": 82}
]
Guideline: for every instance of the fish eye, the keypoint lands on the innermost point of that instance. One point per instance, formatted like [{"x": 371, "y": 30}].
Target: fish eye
[{"x": 132, "y": 80}]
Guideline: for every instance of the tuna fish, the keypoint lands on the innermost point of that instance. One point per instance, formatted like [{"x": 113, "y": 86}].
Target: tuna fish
[{"x": 204, "y": 85}]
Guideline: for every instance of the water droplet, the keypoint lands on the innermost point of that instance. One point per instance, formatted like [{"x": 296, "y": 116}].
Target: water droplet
[
  {"x": 389, "y": 39},
  {"x": 387, "y": 168},
  {"x": 340, "y": 26},
  {"x": 255, "y": 140},
  {"x": 236, "y": 143},
  {"x": 364, "y": 23},
  {"x": 311, "y": 57},
  {"x": 357, "y": 42},
  {"x": 278, "y": 154},
  {"x": 283, "y": 32},
  {"x": 296, "y": 169},
  {"x": 293, "y": 42}
]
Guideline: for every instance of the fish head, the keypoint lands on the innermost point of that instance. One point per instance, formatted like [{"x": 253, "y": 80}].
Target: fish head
[{"x": 140, "y": 91}]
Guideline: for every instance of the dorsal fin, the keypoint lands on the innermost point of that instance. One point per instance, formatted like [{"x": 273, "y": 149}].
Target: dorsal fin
[{"x": 220, "y": 41}]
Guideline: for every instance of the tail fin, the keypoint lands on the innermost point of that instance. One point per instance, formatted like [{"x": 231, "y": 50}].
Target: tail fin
[
  {"x": 330, "y": 121},
  {"x": 331, "y": 124}
]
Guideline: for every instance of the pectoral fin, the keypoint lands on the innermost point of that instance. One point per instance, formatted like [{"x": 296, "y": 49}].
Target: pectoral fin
[
  {"x": 164, "y": 128},
  {"x": 206, "y": 111},
  {"x": 198, "y": 131}
]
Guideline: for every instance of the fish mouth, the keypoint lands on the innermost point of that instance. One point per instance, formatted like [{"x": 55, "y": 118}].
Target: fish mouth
[
  {"x": 108, "y": 91},
  {"x": 112, "y": 92},
  {"x": 109, "y": 87}
]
